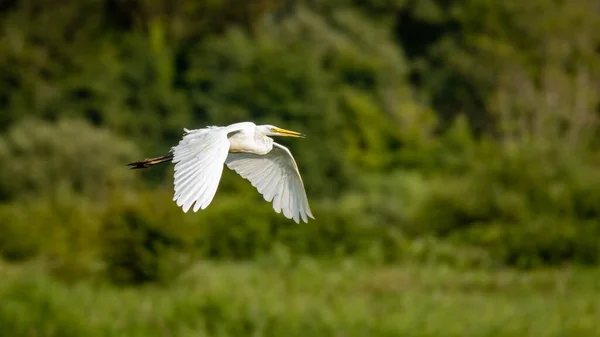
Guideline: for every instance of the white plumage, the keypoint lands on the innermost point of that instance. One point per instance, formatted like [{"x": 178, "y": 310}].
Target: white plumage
[
  {"x": 246, "y": 149},
  {"x": 275, "y": 176}
]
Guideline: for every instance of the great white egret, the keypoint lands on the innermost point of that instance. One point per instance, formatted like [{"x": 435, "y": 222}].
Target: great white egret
[{"x": 246, "y": 149}]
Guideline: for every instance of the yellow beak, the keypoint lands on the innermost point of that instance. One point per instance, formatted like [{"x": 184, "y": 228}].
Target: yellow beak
[{"x": 288, "y": 133}]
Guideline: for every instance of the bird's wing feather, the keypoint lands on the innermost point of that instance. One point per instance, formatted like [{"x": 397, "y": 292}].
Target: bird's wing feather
[
  {"x": 199, "y": 159},
  {"x": 275, "y": 176}
]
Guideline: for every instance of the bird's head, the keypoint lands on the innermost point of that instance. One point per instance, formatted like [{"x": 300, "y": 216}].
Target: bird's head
[{"x": 270, "y": 130}]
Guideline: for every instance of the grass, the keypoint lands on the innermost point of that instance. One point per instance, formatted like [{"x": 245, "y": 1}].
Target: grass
[{"x": 309, "y": 298}]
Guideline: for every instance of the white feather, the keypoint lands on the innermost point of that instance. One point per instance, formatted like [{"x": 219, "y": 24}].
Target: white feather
[
  {"x": 275, "y": 175},
  {"x": 246, "y": 149},
  {"x": 199, "y": 159}
]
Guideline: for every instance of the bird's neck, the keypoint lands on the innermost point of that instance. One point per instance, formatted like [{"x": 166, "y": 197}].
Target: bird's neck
[
  {"x": 263, "y": 145},
  {"x": 250, "y": 143}
]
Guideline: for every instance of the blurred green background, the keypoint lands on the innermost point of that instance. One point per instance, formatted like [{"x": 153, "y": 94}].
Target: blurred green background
[{"x": 451, "y": 162}]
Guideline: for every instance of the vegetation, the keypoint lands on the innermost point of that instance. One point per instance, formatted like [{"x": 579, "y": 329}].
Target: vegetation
[
  {"x": 454, "y": 134},
  {"x": 274, "y": 298}
]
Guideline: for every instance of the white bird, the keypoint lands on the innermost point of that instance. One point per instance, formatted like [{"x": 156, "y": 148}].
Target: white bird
[{"x": 246, "y": 149}]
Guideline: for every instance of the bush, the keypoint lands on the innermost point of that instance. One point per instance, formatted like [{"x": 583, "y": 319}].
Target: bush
[
  {"x": 62, "y": 230},
  {"x": 537, "y": 242},
  {"x": 527, "y": 208},
  {"x": 145, "y": 238},
  {"x": 21, "y": 238},
  {"x": 39, "y": 157},
  {"x": 341, "y": 79}
]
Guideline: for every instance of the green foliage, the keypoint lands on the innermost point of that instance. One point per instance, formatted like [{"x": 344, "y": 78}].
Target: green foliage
[
  {"x": 20, "y": 239},
  {"x": 342, "y": 82},
  {"x": 61, "y": 230},
  {"x": 450, "y": 139},
  {"x": 463, "y": 133},
  {"x": 522, "y": 69},
  {"x": 344, "y": 298},
  {"x": 39, "y": 157},
  {"x": 144, "y": 239},
  {"x": 525, "y": 207}
]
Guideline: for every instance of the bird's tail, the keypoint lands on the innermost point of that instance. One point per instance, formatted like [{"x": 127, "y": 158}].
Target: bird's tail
[{"x": 150, "y": 162}]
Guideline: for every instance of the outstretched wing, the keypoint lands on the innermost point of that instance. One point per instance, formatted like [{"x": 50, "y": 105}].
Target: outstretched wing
[
  {"x": 199, "y": 159},
  {"x": 275, "y": 176}
]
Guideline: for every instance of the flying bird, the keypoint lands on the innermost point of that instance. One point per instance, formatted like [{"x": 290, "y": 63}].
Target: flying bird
[{"x": 245, "y": 148}]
